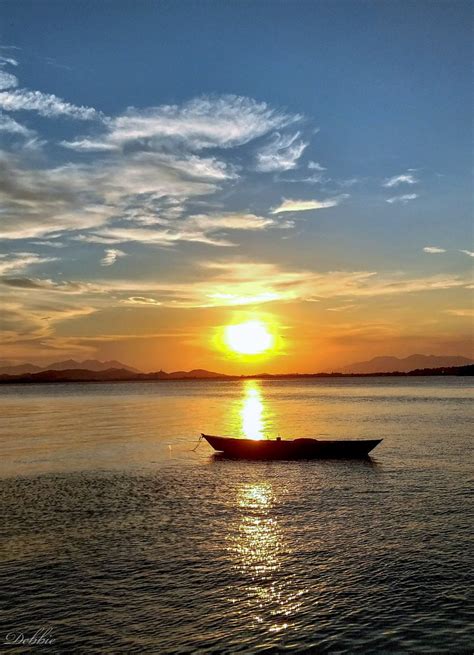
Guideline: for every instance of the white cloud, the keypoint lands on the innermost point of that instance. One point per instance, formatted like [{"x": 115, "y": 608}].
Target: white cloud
[
  {"x": 111, "y": 255},
  {"x": 470, "y": 253},
  {"x": 198, "y": 228},
  {"x": 403, "y": 199},
  {"x": 229, "y": 221},
  {"x": 142, "y": 300},
  {"x": 160, "y": 237},
  {"x": 37, "y": 202},
  {"x": 10, "y": 125},
  {"x": 20, "y": 261},
  {"x": 8, "y": 60},
  {"x": 205, "y": 122},
  {"x": 315, "y": 166},
  {"x": 312, "y": 179},
  {"x": 406, "y": 178},
  {"x": 281, "y": 153},
  {"x": 89, "y": 145},
  {"x": 289, "y": 205},
  {"x": 142, "y": 192},
  {"x": 45, "y": 104},
  {"x": 50, "y": 244},
  {"x": 7, "y": 80},
  {"x": 433, "y": 250}
]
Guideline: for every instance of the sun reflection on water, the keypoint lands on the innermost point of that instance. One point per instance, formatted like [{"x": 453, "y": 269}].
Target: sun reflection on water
[
  {"x": 259, "y": 552},
  {"x": 252, "y": 411}
]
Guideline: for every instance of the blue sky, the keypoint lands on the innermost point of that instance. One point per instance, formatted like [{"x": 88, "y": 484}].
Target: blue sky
[{"x": 175, "y": 166}]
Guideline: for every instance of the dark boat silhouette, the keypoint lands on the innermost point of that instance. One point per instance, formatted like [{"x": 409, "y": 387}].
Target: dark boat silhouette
[{"x": 291, "y": 449}]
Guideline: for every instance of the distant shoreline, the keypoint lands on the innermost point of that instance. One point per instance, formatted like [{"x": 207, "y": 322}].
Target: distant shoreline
[{"x": 121, "y": 375}]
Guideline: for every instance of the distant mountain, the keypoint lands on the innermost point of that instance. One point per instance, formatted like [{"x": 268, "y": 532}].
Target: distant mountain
[
  {"x": 121, "y": 375},
  {"x": 19, "y": 369},
  {"x": 67, "y": 365},
  {"x": 72, "y": 375},
  {"x": 107, "y": 375},
  {"x": 196, "y": 373},
  {"x": 392, "y": 364}
]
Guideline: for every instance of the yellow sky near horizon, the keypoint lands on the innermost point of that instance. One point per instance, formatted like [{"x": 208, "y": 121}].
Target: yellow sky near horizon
[{"x": 316, "y": 325}]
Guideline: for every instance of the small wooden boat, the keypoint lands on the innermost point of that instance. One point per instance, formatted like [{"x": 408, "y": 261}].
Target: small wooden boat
[{"x": 291, "y": 449}]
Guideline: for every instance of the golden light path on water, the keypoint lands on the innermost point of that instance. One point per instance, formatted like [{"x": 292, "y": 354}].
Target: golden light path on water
[
  {"x": 256, "y": 540},
  {"x": 252, "y": 411},
  {"x": 258, "y": 551}
]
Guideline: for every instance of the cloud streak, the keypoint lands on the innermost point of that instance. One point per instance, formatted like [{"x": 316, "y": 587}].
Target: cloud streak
[
  {"x": 21, "y": 261},
  {"x": 403, "y": 199},
  {"x": 45, "y": 104},
  {"x": 281, "y": 153},
  {"x": 396, "y": 180},
  {"x": 433, "y": 250},
  {"x": 205, "y": 122},
  {"x": 110, "y": 256},
  {"x": 289, "y": 205}
]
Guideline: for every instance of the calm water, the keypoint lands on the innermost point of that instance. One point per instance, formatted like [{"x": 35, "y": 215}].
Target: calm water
[{"x": 122, "y": 540}]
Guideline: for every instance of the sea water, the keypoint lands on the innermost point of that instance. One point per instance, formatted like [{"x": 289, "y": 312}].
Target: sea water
[{"x": 118, "y": 537}]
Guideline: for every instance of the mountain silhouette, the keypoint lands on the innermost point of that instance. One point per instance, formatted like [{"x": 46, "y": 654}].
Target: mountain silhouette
[
  {"x": 123, "y": 375},
  {"x": 405, "y": 365},
  {"x": 66, "y": 365}
]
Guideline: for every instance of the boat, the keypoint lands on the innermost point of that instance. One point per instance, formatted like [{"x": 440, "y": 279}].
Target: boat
[{"x": 291, "y": 448}]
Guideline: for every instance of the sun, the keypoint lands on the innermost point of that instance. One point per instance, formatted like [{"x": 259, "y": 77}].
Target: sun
[{"x": 250, "y": 338}]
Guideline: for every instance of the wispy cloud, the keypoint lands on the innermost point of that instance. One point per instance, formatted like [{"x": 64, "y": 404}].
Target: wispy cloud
[
  {"x": 8, "y": 60},
  {"x": 10, "y": 125},
  {"x": 49, "y": 244},
  {"x": 351, "y": 181},
  {"x": 433, "y": 250},
  {"x": 199, "y": 228},
  {"x": 239, "y": 282},
  {"x": 32, "y": 308},
  {"x": 143, "y": 300},
  {"x": 37, "y": 202},
  {"x": 464, "y": 313},
  {"x": 20, "y": 261},
  {"x": 281, "y": 153},
  {"x": 205, "y": 122},
  {"x": 111, "y": 255},
  {"x": 317, "y": 178},
  {"x": 146, "y": 157},
  {"x": 45, "y": 104},
  {"x": 396, "y": 180},
  {"x": 315, "y": 166},
  {"x": 289, "y": 205},
  {"x": 403, "y": 199},
  {"x": 46, "y": 284},
  {"x": 7, "y": 80},
  {"x": 231, "y": 221},
  {"x": 156, "y": 237},
  {"x": 89, "y": 145},
  {"x": 342, "y": 308}
]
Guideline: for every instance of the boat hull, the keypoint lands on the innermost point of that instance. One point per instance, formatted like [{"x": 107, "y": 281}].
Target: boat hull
[{"x": 291, "y": 449}]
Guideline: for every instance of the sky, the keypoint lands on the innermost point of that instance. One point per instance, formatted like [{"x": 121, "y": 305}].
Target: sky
[{"x": 169, "y": 169}]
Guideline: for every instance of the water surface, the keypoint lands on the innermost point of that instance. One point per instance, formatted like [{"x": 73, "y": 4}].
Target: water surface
[{"x": 123, "y": 540}]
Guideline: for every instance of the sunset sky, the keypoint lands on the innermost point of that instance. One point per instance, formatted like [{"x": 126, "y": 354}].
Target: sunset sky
[{"x": 170, "y": 169}]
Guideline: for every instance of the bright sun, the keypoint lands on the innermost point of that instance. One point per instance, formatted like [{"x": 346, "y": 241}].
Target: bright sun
[{"x": 250, "y": 338}]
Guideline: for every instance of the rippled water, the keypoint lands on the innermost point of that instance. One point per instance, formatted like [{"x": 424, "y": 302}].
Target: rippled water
[{"x": 122, "y": 540}]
